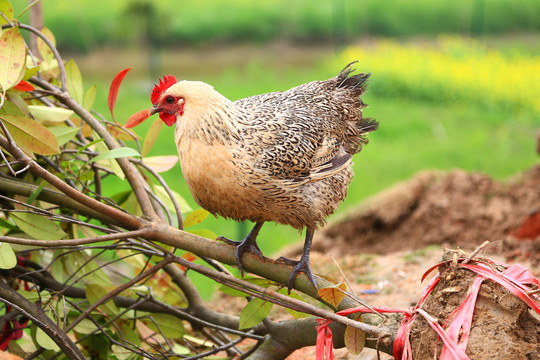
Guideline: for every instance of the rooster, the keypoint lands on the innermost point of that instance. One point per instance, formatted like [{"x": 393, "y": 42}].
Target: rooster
[{"x": 283, "y": 156}]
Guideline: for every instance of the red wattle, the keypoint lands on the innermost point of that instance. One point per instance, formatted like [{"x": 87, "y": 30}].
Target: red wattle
[{"x": 168, "y": 119}]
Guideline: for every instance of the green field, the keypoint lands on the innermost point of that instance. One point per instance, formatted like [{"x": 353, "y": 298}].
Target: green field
[{"x": 86, "y": 25}]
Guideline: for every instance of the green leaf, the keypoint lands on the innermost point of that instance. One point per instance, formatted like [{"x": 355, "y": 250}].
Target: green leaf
[
  {"x": 18, "y": 102},
  {"x": 110, "y": 164},
  {"x": 79, "y": 261},
  {"x": 74, "y": 81},
  {"x": 116, "y": 153},
  {"x": 7, "y": 10},
  {"x": 49, "y": 113},
  {"x": 7, "y": 225},
  {"x": 151, "y": 136},
  {"x": 31, "y": 135},
  {"x": 209, "y": 234},
  {"x": 30, "y": 71},
  {"x": 12, "y": 58},
  {"x": 43, "y": 48},
  {"x": 89, "y": 97},
  {"x": 86, "y": 326},
  {"x": 333, "y": 294},
  {"x": 36, "y": 192},
  {"x": 161, "y": 163},
  {"x": 169, "y": 325},
  {"x": 37, "y": 226},
  {"x": 34, "y": 296},
  {"x": 63, "y": 133},
  {"x": 10, "y": 107},
  {"x": 294, "y": 313},
  {"x": 45, "y": 341},
  {"x": 94, "y": 293},
  {"x": 162, "y": 194},
  {"x": 180, "y": 350},
  {"x": 8, "y": 260},
  {"x": 87, "y": 175},
  {"x": 195, "y": 217},
  {"x": 122, "y": 353},
  {"x": 198, "y": 341},
  {"x": 354, "y": 338},
  {"x": 253, "y": 313},
  {"x": 232, "y": 292}
]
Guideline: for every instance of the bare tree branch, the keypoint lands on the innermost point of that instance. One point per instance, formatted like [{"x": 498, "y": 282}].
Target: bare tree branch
[{"x": 38, "y": 316}]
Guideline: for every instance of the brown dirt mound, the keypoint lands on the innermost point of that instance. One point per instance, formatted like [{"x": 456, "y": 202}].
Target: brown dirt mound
[
  {"x": 450, "y": 209},
  {"x": 503, "y": 326}
]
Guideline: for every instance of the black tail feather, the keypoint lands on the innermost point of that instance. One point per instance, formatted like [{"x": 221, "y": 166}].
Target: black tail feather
[
  {"x": 367, "y": 125},
  {"x": 355, "y": 81}
]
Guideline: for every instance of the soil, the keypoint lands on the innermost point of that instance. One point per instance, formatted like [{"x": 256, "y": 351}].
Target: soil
[{"x": 386, "y": 244}]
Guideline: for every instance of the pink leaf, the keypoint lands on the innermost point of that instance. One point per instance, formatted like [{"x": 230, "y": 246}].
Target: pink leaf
[
  {"x": 113, "y": 91},
  {"x": 136, "y": 118}
]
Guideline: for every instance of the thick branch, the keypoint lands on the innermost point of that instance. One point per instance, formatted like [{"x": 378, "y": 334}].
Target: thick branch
[{"x": 19, "y": 187}]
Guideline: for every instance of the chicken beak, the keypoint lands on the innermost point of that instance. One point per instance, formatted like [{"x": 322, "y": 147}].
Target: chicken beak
[{"x": 154, "y": 109}]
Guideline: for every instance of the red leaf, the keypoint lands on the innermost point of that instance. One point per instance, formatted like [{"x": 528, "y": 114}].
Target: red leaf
[
  {"x": 24, "y": 86},
  {"x": 137, "y": 118},
  {"x": 113, "y": 91}
]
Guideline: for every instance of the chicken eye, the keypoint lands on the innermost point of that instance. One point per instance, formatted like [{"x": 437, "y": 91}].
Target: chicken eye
[{"x": 169, "y": 99}]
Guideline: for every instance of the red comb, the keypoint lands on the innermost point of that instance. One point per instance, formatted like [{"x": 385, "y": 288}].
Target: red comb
[{"x": 163, "y": 85}]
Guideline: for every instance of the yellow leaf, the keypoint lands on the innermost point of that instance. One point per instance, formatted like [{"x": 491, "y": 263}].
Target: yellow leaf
[
  {"x": 48, "y": 113},
  {"x": 334, "y": 294},
  {"x": 151, "y": 136},
  {"x": 43, "y": 48},
  {"x": 74, "y": 81},
  {"x": 12, "y": 58},
  {"x": 7, "y": 10},
  {"x": 195, "y": 217},
  {"x": 31, "y": 135},
  {"x": 355, "y": 338}
]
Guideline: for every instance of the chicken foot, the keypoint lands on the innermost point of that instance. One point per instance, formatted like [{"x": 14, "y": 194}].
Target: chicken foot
[
  {"x": 249, "y": 243},
  {"x": 302, "y": 265}
]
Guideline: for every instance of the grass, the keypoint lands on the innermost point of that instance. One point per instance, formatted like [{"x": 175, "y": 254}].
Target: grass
[{"x": 85, "y": 25}]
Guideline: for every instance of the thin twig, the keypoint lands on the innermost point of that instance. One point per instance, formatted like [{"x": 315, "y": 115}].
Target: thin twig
[
  {"x": 74, "y": 242},
  {"x": 476, "y": 251}
]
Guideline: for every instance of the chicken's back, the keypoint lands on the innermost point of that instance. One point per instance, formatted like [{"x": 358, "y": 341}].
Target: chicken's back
[{"x": 297, "y": 147}]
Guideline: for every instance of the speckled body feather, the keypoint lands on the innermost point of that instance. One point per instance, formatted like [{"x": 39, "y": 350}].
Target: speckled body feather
[{"x": 282, "y": 157}]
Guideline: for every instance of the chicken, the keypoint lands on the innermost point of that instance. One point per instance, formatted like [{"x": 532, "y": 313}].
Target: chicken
[{"x": 283, "y": 156}]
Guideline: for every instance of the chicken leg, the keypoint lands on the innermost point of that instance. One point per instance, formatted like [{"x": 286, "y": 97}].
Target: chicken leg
[
  {"x": 303, "y": 264},
  {"x": 249, "y": 243}
]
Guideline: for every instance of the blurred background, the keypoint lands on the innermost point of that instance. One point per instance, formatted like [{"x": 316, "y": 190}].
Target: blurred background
[{"x": 454, "y": 84}]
